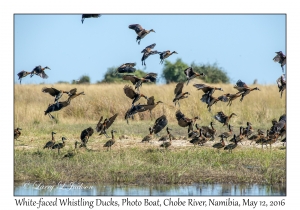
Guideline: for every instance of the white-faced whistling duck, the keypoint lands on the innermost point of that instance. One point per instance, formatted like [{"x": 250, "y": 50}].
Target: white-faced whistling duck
[
  {"x": 207, "y": 89},
  {"x": 248, "y": 130},
  {"x": 147, "y": 52},
  {"x": 199, "y": 140},
  {"x": 151, "y": 77},
  {"x": 231, "y": 146},
  {"x": 207, "y": 131},
  {"x": 85, "y": 135},
  {"x": 232, "y": 97},
  {"x": 83, "y": 16},
  {"x": 60, "y": 145},
  {"x": 280, "y": 58},
  {"x": 270, "y": 140},
  {"x": 140, "y": 31},
  {"x": 228, "y": 133},
  {"x": 149, "y": 137},
  {"x": 210, "y": 100},
  {"x": 281, "y": 82},
  {"x": 222, "y": 118},
  {"x": 74, "y": 95},
  {"x": 179, "y": 94},
  {"x": 23, "y": 74},
  {"x": 184, "y": 121},
  {"x": 194, "y": 133},
  {"x": 57, "y": 94},
  {"x": 110, "y": 142},
  {"x": 256, "y": 137},
  {"x": 102, "y": 127},
  {"x": 51, "y": 143},
  {"x": 239, "y": 137},
  {"x": 168, "y": 136},
  {"x": 190, "y": 74},
  {"x": 73, "y": 153},
  {"x": 262, "y": 139},
  {"x": 38, "y": 70},
  {"x": 245, "y": 89},
  {"x": 133, "y": 110},
  {"x": 159, "y": 124},
  {"x": 126, "y": 68},
  {"x": 220, "y": 144},
  {"x": 130, "y": 93},
  {"x": 17, "y": 133},
  {"x": 165, "y": 54},
  {"x": 56, "y": 107},
  {"x": 151, "y": 105},
  {"x": 279, "y": 126}
]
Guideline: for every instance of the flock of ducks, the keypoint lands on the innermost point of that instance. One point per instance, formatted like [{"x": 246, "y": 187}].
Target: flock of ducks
[{"x": 198, "y": 137}]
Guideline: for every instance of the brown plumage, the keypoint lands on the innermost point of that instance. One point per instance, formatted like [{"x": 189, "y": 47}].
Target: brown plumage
[
  {"x": 110, "y": 142},
  {"x": 179, "y": 95},
  {"x": 17, "y": 133},
  {"x": 183, "y": 121},
  {"x": 165, "y": 54},
  {"x": 60, "y": 145},
  {"x": 228, "y": 133},
  {"x": 130, "y": 93},
  {"x": 281, "y": 82},
  {"x": 244, "y": 89},
  {"x": 23, "y": 74},
  {"x": 151, "y": 105},
  {"x": 222, "y": 118},
  {"x": 231, "y": 146},
  {"x": 140, "y": 31},
  {"x": 159, "y": 124},
  {"x": 220, "y": 144},
  {"x": 211, "y": 100},
  {"x": 102, "y": 127},
  {"x": 133, "y": 110},
  {"x": 83, "y": 16},
  {"x": 232, "y": 97},
  {"x": 126, "y": 68},
  {"x": 191, "y": 74},
  {"x": 207, "y": 131},
  {"x": 206, "y": 88},
  {"x": 51, "y": 143},
  {"x": 57, "y": 94},
  {"x": 256, "y": 137},
  {"x": 239, "y": 137},
  {"x": 74, "y": 95},
  {"x": 85, "y": 135},
  {"x": 168, "y": 136},
  {"x": 38, "y": 70},
  {"x": 73, "y": 153},
  {"x": 138, "y": 82},
  {"x": 248, "y": 130},
  {"x": 149, "y": 137}
]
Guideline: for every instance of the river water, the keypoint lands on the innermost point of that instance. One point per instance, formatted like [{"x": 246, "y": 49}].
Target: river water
[{"x": 80, "y": 189}]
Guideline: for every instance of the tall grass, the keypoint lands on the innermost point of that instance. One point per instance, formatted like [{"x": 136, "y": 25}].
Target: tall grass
[{"x": 30, "y": 103}]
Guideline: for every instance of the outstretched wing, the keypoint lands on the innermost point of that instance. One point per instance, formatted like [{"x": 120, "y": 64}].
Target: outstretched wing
[
  {"x": 129, "y": 92},
  {"x": 221, "y": 117},
  {"x": 99, "y": 125},
  {"x": 137, "y": 27},
  {"x": 111, "y": 120},
  {"x": 160, "y": 123},
  {"x": 151, "y": 77},
  {"x": 178, "y": 88},
  {"x": 133, "y": 79},
  {"x": 223, "y": 98},
  {"x": 189, "y": 72},
  {"x": 43, "y": 75},
  {"x": 51, "y": 91}
]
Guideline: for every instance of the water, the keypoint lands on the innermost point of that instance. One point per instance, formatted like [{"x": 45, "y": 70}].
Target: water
[{"x": 80, "y": 189}]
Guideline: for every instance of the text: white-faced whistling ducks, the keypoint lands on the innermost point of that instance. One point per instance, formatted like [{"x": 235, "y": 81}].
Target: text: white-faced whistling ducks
[
  {"x": 147, "y": 52},
  {"x": 184, "y": 121},
  {"x": 242, "y": 87},
  {"x": 85, "y": 135},
  {"x": 17, "y": 133},
  {"x": 220, "y": 144},
  {"x": 159, "y": 124},
  {"x": 60, "y": 145},
  {"x": 228, "y": 133},
  {"x": 179, "y": 94},
  {"x": 51, "y": 143},
  {"x": 222, "y": 118},
  {"x": 130, "y": 93},
  {"x": 151, "y": 105},
  {"x": 140, "y": 31},
  {"x": 165, "y": 54},
  {"x": 280, "y": 58},
  {"x": 149, "y": 137},
  {"x": 110, "y": 142},
  {"x": 23, "y": 74},
  {"x": 102, "y": 127},
  {"x": 73, "y": 153},
  {"x": 126, "y": 68},
  {"x": 211, "y": 100},
  {"x": 83, "y": 16},
  {"x": 232, "y": 97},
  {"x": 191, "y": 74},
  {"x": 150, "y": 77},
  {"x": 38, "y": 70},
  {"x": 209, "y": 132},
  {"x": 133, "y": 110},
  {"x": 168, "y": 136},
  {"x": 231, "y": 146},
  {"x": 281, "y": 82}
]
